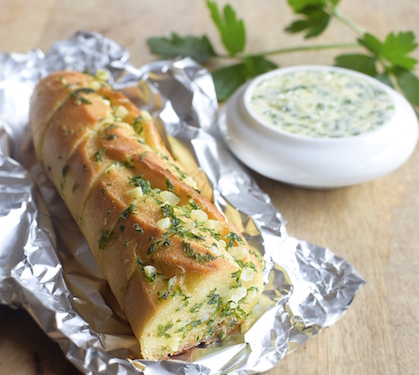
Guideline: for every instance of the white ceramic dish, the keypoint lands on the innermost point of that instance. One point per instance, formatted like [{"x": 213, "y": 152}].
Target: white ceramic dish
[{"x": 318, "y": 162}]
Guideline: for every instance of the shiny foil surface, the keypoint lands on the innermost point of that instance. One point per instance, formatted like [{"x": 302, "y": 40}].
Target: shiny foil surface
[{"x": 47, "y": 268}]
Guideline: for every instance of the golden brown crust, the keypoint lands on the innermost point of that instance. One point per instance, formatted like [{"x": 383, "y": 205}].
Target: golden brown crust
[
  {"x": 178, "y": 270},
  {"x": 54, "y": 91}
]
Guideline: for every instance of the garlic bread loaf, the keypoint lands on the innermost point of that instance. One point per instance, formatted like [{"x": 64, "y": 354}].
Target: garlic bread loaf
[{"x": 180, "y": 272}]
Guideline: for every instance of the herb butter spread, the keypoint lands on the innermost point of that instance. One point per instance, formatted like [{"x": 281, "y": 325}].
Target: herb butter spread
[{"x": 318, "y": 103}]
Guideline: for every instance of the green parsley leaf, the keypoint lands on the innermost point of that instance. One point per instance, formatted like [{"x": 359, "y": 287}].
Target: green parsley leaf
[
  {"x": 141, "y": 182},
  {"x": 191, "y": 253},
  {"x": 232, "y": 30},
  {"x": 162, "y": 330},
  {"x": 315, "y": 22},
  {"x": 167, "y": 210},
  {"x": 299, "y": 5},
  {"x": 169, "y": 185},
  {"x": 65, "y": 170},
  {"x": 188, "y": 327},
  {"x": 215, "y": 299},
  {"x": 84, "y": 90},
  {"x": 409, "y": 84},
  {"x": 385, "y": 78},
  {"x": 130, "y": 210},
  {"x": 105, "y": 237},
  {"x": 199, "y": 49},
  {"x": 138, "y": 228},
  {"x": 196, "y": 307},
  {"x": 99, "y": 153},
  {"x": 371, "y": 43},
  {"x": 193, "y": 204},
  {"x": 81, "y": 99},
  {"x": 233, "y": 237},
  {"x": 228, "y": 79},
  {"x": 396, "y": 48},
  {"x": 359, "y": 62},
  {"x": 255, "y": 65}
]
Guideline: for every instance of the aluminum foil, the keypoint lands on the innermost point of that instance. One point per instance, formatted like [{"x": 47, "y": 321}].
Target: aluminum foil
[{"x": 47, "y": 268}]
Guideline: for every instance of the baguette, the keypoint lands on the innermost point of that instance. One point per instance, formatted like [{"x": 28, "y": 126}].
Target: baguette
[{"x": 181, "y": 274}]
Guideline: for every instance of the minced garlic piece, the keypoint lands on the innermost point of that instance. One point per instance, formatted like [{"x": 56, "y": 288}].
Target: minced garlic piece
[
  {"x": 168, "y": 197},
  {"x": 121, "y": 112},
  {"x": 213, "y": 225},
  {"x": 136, "y": 192},
  {"x": 199, "y": 216},
  {"x": 247, "y": 274},
  {"x": 102, "y": 75},
  {"x": 190, "y": 182},
  {"x": 145, "y": 115},
  {"x": 164, "y": 224},
  {"x": 150, "y": 271},
  {"x": 237, "y": 294}
]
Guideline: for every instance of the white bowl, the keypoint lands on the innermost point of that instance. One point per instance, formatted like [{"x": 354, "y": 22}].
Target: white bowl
[{"x": 318, "y": 162}]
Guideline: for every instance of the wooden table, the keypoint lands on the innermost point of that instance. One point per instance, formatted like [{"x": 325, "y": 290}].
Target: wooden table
[{"x": 372, "y": 225}]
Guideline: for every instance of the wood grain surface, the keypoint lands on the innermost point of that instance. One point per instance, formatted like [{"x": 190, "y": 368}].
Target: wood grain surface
[{"x": 372, "y": 225}]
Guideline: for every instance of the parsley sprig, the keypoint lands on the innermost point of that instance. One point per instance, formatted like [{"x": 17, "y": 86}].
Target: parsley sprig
[{"x": 388, "y": 60}]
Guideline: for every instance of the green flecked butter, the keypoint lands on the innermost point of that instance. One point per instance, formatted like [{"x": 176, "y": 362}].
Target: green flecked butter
[{"x": 321, "y": 103}]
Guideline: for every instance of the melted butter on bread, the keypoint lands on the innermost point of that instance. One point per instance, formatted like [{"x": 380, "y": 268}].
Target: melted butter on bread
[{"x": 180, "y": 272}]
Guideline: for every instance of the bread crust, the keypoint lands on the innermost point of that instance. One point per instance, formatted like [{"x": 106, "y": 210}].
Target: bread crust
[{"x": 165, "y": 250}]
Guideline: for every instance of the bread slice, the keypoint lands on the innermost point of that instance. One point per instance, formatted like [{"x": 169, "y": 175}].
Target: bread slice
[{"x": 180, "y": 272}]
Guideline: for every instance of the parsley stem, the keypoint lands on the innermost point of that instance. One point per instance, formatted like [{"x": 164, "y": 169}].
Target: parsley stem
[
  {"x": 309, "y": 48},
  {"x": 341, "y": 17},
  {"x": 291, "y": 49}
]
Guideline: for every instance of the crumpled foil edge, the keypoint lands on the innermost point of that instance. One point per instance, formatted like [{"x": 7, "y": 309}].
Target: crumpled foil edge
[{"x": 306, "y": 287}]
